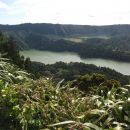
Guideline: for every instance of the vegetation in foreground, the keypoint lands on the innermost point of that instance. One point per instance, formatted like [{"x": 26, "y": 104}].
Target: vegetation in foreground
[{"x": 27, "y": 104}]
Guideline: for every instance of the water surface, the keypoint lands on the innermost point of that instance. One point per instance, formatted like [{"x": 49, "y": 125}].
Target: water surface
[{"x": 48, "y": 57}]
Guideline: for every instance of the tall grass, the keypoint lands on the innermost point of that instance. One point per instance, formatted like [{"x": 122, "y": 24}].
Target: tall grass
[{"x": 27, "y": 104}]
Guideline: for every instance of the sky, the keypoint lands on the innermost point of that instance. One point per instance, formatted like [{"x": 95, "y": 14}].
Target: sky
[{"x": 83, "y": 12}]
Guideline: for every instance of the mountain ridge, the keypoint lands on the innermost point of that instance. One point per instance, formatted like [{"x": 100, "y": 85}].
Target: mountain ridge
[{"x": 62, "y": 29}]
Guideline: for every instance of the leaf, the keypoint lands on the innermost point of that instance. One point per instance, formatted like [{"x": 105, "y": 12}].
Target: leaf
[
  {"x": 45, "y": 129},
  {"x": 22, "y": 72},
  {"x": 108, "y": 121},
  {"x": 80, "y": 117},
  {"x": 62, "y": 123},
  {"x": 118, "y": 128},
  {"x": 91, "y": 126},
  {"x": 97, "y": 111},
  {"x": 58, "y": 85}
]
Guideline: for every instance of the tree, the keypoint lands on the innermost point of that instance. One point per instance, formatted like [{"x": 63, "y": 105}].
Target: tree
[{"x": 27, "y": 63}]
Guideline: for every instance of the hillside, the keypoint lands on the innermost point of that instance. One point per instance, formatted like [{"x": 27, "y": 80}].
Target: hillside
[
  {"x": 88, "y": 102},
  {"x": 58, "y": 70},
  {"x": 28, "y": 104},
  {"x": 66, "y": 30},
  {"x": 53, "y": 31},
  {"x": 109, "y": 42}
]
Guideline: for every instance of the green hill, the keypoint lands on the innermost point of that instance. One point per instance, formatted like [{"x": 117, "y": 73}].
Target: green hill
[
  {"x": 54, "y": 31},
  {"x": 110, "y": 42}
]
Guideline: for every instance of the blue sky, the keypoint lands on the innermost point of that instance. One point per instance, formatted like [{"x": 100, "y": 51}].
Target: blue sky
[{"x": 91, "y": 12}]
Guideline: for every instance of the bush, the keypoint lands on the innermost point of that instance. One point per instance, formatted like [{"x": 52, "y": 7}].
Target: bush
[{"x": 27, "y": 104}]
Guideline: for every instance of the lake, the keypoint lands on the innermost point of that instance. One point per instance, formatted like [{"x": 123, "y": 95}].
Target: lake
[{"x": 48, "y": 57}]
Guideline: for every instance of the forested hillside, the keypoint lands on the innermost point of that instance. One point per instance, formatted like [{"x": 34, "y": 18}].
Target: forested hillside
[
  {"x": 58, "y": 70},
  {"x": 32, "y": 101},
  {"x": 116, "y": 48},
  {"x": 60, "y": 29},
  {"x": 110, "y": 42},
  {"x": 24, "y": 31}
]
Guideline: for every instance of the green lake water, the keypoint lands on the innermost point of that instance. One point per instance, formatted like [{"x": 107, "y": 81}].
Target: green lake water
[{"x": 48, "y": 57}]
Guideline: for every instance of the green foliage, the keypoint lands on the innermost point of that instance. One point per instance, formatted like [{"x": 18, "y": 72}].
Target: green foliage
[
  {"x": 70, "y": 71},
  {"x": 111, "y": 112},
  {"x": 10, "y": 73},
  {"x": 9, "y": 49},
  {"x": 55, "y": 37},
  {"x": 94, "y": 84},
  {"x": 27, "y": 104}
]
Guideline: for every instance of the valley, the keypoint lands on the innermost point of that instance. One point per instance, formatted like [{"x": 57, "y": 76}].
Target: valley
[
  {"x": 107, "y": 42},
  {"x": 49, "y": 67}
]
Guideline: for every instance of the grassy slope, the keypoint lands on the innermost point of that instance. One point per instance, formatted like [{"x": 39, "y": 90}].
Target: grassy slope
[{"x": 29, "y": 104}]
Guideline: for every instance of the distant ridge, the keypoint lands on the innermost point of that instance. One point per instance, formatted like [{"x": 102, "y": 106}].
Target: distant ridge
[
  {"x": 37, "y": 32},
  {"x": 68, "y": 29}
]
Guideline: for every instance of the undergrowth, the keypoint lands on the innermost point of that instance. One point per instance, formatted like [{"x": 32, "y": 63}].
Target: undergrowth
[{"x": 27, "y": 104}]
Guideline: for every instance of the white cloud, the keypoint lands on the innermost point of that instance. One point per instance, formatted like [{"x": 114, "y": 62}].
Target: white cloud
[
  {"x": 3, "y": 5},
  {"x": 69, "y": 11}
]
